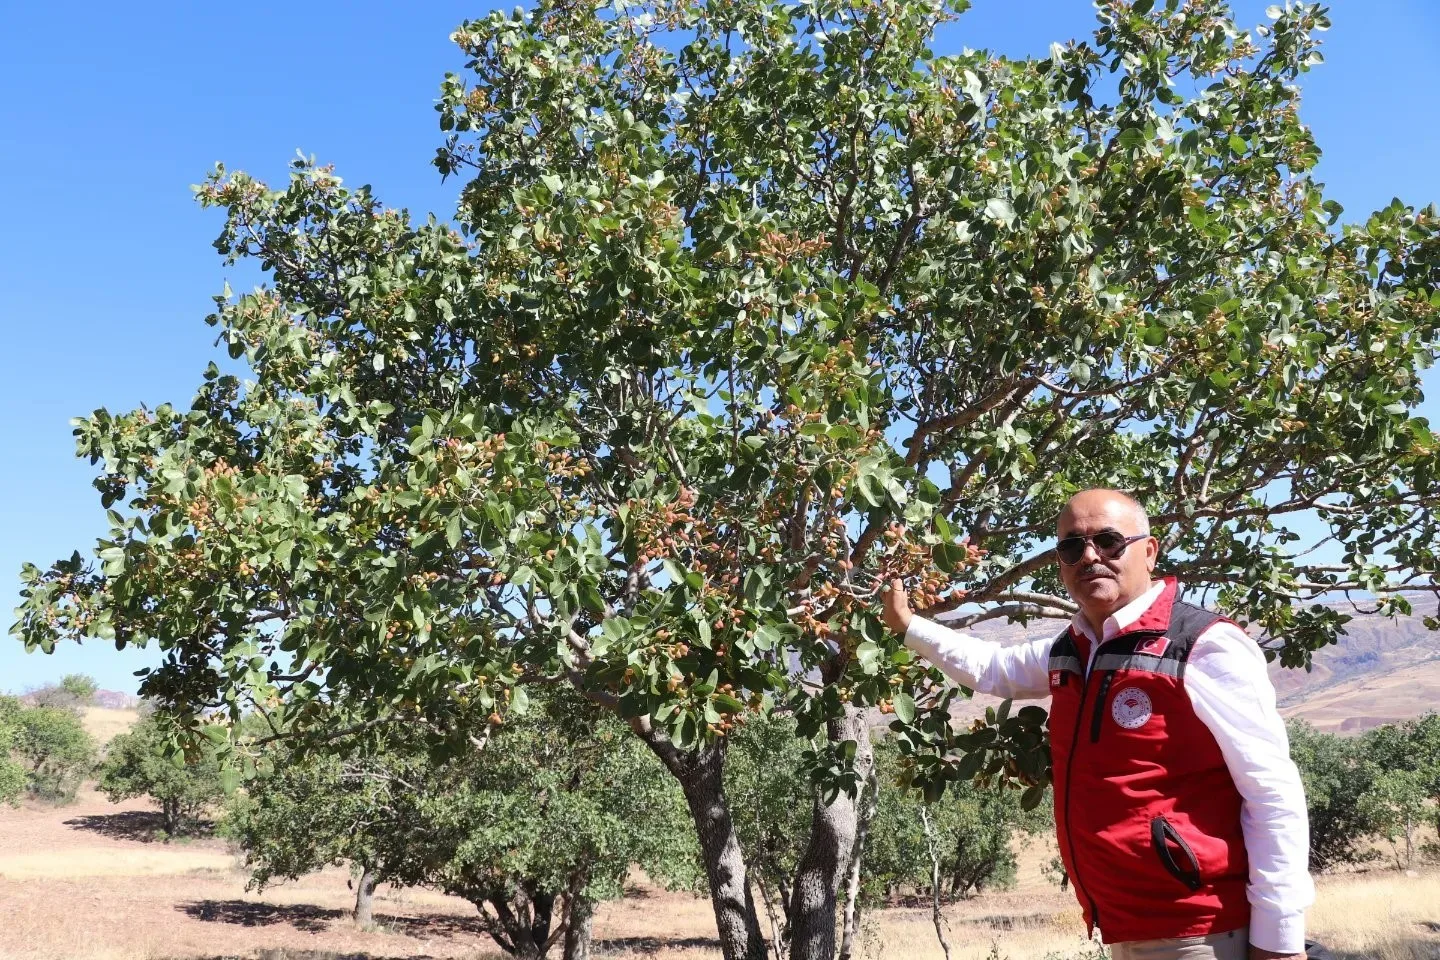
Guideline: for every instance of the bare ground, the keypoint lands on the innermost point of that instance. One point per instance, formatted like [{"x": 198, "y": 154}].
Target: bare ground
[{"x": 90, "y": 881}]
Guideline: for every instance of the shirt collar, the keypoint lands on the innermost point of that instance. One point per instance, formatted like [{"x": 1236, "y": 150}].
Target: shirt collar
[{"x": 1122, "y": 619}]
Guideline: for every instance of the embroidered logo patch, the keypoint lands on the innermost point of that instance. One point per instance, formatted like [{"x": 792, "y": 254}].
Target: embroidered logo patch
[
  {"x": 1131, "y": 708},
  {"x": 1057, "y": 678}
]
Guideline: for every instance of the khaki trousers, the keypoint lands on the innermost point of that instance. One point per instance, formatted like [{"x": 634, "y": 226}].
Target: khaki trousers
[{"x": 1234, "y": 945}]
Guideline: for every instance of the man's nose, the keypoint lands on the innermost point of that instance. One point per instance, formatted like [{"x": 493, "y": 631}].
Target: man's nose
[{"x": 1091, "y": 554}]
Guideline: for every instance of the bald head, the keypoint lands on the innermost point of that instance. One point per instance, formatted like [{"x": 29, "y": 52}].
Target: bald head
[
  {"x": 1110, "y": 502},
  {"x": 1102, "y": 584}
]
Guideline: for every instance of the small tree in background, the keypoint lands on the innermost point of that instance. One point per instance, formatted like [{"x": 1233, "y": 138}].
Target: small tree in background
[
  {"x": 49, "y": 745},
  {"x": 139, "y": 763},
  {"x": 347, "y": 806},
  {"x": 12, "y": 772},
  {"x": 974, "y": 829},
  {"x": 1405, "y": 793},
  {"x": 1337, "y": 774},
  {"x": 73, "y": 692},
  {"x": 80, "y": 686},
  {"x": 533, "y": 828}
]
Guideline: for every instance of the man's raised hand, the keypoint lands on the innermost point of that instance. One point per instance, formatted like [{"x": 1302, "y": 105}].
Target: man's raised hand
[{"x": 896, "y": 607}]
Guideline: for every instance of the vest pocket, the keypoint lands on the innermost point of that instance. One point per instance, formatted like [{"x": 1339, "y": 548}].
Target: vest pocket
[{"x": 1162, "y": 835}]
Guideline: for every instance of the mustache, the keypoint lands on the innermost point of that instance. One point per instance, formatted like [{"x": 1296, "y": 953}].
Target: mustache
[{"x": 1096, "y": 569}]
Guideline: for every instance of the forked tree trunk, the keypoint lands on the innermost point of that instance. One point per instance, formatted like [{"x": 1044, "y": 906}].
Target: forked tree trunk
[
  {"x": 521, "y": 925},
  {"x": 365, "y": 897},
  {"x": 832, "y": 842}
]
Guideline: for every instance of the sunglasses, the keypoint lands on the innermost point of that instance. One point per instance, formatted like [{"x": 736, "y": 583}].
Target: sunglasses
[{"x": 1108, "y": 544}]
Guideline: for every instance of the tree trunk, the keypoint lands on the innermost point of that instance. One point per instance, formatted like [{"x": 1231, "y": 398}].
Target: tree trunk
[
  {"x": 521, "y": 926},
  {"x": 832, "y": 843},
  {"x": 701, "y": 776},
  {"x": 170, "y": 812},
  {"x": 578, "y": 930},
  {"x": 850, "y": 927},
  {"x": 364, "y": 897},
  {"x": 543, "y": 909}
]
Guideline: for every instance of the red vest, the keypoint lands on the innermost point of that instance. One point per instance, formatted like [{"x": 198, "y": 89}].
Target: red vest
[{"x": 1147, "y": 815}]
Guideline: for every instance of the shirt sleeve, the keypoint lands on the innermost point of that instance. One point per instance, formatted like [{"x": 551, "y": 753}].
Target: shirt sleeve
[
  {"x": 1021, "y": 671},
  {"x": 1233, "y": 697}
]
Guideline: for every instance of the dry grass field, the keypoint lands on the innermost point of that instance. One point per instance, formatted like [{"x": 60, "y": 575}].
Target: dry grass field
[
  {"x": 86, "y": 881},
  {"x": 1381, "y": 696},
  {"x": 105, "y": 722}
]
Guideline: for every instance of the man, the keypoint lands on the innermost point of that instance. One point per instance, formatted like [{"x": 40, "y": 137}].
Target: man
[{"x": 1180, "y": 816}]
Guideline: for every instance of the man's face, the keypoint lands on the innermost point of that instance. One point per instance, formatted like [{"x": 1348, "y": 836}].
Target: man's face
[{"x": 1098, "y": 585}]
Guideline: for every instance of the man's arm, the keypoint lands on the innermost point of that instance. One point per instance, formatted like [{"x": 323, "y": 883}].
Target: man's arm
[
  {"x": 1233, "y": 696},
  {"x": 1021, "y": 671}
]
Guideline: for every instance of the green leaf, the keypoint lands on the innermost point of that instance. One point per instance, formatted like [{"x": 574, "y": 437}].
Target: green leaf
[
  {"x": 904, "y": 707},
  {"x": 1032, "y": 715},
  {"x": 998, "y": 208},
  {"x": 590, "y": 598}
]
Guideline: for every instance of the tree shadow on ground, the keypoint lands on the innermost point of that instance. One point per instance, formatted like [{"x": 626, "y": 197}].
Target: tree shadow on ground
[
  {"x": 432, "y": 925},
  {"x": 310, "y": 918},
  {"x": 248, "y": 913},
  {"x": 653, "y": 944},
  {"x": 1021, "y": 921},
  {"x": 141, "y": 826}
]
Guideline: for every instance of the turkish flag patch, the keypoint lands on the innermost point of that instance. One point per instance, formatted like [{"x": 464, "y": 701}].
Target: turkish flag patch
[
  {"x": 1155, "y": 648},
  {"x": 1057, "y": 678}
]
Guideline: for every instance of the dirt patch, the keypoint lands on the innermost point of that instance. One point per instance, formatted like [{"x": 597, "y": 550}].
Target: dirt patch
[{"x": 95, "y": 888}]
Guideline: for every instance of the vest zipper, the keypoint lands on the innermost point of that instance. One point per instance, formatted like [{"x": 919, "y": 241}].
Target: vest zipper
[
  {"x": 1069, "y": 828},
  {"x": 1099, "y": 714}
]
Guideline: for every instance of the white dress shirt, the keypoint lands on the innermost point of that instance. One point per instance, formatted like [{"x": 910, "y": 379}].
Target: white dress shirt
[{"x": 1232, "y": 695}]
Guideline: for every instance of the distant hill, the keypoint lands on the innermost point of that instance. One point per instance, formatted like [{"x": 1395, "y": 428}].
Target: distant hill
[{"x": 1380, "y": 671}]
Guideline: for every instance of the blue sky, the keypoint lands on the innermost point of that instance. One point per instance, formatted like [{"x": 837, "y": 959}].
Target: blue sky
[{"x": 112, "y": 111}]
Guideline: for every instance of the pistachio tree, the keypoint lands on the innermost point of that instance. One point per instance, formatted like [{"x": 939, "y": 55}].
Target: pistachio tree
[
  {"x": 745, "y": 308},
  {"x": 135, "y": 765},
  {"x": 533, "y": 831}
]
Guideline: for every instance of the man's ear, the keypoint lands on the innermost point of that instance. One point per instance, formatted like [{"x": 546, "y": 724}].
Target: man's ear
[{"x": 1152, "y": 553}]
